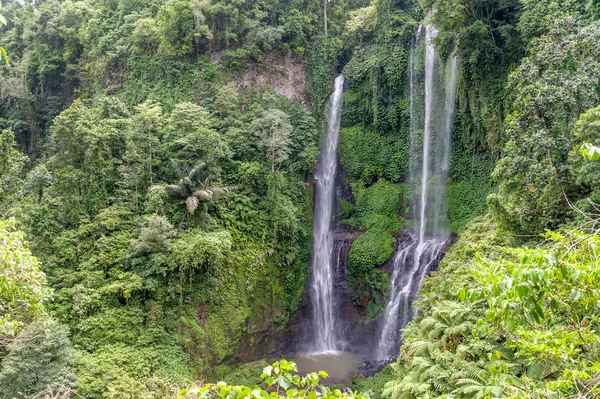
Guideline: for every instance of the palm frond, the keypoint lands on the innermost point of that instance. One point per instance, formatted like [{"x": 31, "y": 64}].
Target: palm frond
[
  {"x": 203, "y": 195},
  {"x": 197, "y": 168},
  {"x": 176, "y": 167},
  {"x": 156, "y": 187},
  {"x": 171, "y": 189},
  {"x": 219, "y": 191},
  {"x": 185, "y": 181},
  {"x": 191, "y": 204}
]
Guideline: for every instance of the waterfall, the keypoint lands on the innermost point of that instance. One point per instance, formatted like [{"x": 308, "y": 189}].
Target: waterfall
[
  {"x": 393, "y": 311},
  {"x": 325, "y": 339},
  {"x": 429, "y": 173}
]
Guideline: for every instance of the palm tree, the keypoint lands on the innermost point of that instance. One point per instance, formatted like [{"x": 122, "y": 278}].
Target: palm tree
[{"x": 184, "y": 189}]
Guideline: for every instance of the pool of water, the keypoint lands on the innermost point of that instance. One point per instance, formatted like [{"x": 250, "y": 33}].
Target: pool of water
[{"x": 340, "y": 366}]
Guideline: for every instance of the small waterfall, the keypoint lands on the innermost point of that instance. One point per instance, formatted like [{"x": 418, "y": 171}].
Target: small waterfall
[
  {"x": 429, "y": 174},
  {"x": 324, "y": 332}
]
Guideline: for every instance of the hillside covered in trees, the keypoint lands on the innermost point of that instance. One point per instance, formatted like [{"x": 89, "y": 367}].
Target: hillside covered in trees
[{"x": 160, "y": 188}]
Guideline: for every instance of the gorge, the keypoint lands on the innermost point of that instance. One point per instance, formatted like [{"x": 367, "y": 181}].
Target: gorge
[
  {"x": 401, "y": 193},
  {"x": 431, "y": 127}
]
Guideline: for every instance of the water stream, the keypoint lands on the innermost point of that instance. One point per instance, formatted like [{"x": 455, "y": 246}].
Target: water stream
[
  {"x": 430, "y": 138},
  {"x": 324, "y": 329}
]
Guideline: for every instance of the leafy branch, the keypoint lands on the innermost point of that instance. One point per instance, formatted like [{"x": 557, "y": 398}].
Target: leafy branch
[
  {"x": 281, "y": 380},
  {"x": 3, "y": 22}
]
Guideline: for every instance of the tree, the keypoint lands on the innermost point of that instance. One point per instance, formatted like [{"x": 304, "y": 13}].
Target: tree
[
  {"x": 205, "y": 191},
  {"x": 273, "y": 128},
  {"x": 38, "y": 360},
  {"x": 23, "y": 288},
  {"x": 148, "y": 253},
  {"x": 202, "y": 32},
  {"x": 146, "y": 120},
  {"x": 87, "y": 146},
  {"x": 12, "y": 162},
  {"x": 227, "y": 99},
  {"x": 551, "y": 88},
  {"x": 176, "y": 28},
  {"x": 190, "y": 136},
  {"x": 141, "y": 144},
  {"x": 325, "y": 14}
]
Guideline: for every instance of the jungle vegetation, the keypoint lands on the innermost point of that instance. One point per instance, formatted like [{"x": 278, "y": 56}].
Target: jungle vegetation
[{"x": 156, "y": 199}]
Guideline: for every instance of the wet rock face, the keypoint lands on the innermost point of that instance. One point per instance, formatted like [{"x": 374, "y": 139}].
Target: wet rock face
[{"x": 360, "y": 338}]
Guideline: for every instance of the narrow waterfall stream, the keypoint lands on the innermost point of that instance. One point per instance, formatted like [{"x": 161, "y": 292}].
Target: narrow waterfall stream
[
  {"x": 324, "y": 331},
  {"x": 429, "y": 173},
  {"x": 325, "y": 351}
]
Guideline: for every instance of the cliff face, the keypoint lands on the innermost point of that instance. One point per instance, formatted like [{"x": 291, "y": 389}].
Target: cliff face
[
  {"x": 360, "y": 337},
  {"x": 286, "y": 76}
]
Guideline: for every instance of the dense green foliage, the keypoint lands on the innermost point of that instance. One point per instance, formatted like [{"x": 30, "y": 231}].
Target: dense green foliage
[
  {"x": 160, "y": 164},
  {"x": 503, "y": 318},
  {"x": 165, "y": 198},
  {"x": 499, "y": 321},
  {"x": 23, "y": 286},
  {"x": 35, "y": 350},
  {"x": 552, "y": 87}
]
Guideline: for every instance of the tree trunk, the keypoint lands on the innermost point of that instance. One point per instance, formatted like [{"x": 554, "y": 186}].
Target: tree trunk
[{"x": 325, "y": 14}]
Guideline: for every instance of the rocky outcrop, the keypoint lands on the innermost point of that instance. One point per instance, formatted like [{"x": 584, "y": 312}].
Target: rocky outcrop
[{"x": 284, "y": 75}]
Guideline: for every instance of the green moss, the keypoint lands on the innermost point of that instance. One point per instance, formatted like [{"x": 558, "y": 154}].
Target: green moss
[
  {"x": 382, "y": 199},
  {"x": 470, "y": 183},
  {"x": 466, "y": 201},
  {"x": 368, "y": 156},
  {"x": 371, "y": 250},
  {"x": 247, "y": 374},
  {"x": 376, "y": 209}
]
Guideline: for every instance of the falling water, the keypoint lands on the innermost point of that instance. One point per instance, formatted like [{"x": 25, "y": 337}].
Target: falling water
[
  {"x": 429, "y": 64},
  {"x": 393, "y": 311},
  {"x": 416, "y": 258},
  {"x": 324, "y": 333}
]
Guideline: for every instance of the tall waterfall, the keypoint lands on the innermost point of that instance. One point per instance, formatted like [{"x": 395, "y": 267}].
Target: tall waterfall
[
  {"x": 325, "y": 339},
  {"x": 431, "y": 133}
]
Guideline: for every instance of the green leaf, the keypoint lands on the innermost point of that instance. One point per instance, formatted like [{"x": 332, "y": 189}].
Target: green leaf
[
  {"x": 4, "y": 55},
  {"x": 522, "y": 290},
  {"x": 285, "y": 381},
  {"x": 590, "y": 152},
  {"x": 268, "y": 370}
]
